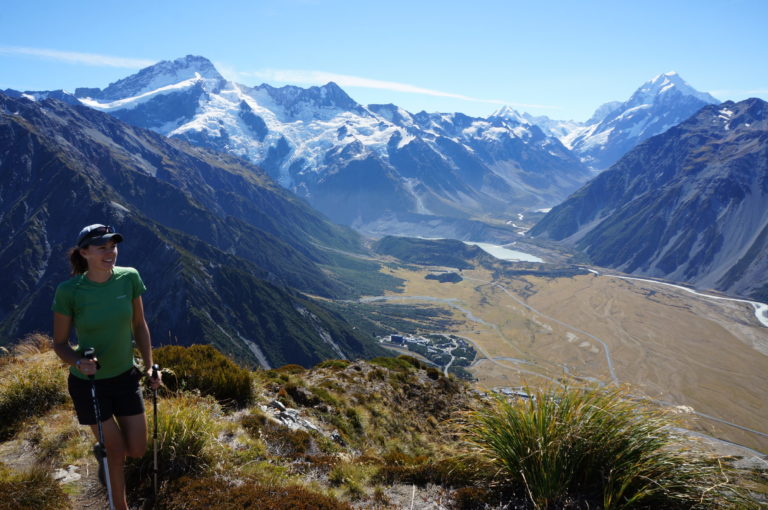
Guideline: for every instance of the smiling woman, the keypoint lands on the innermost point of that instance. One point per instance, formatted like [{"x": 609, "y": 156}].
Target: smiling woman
[{"x": 103, "y": 303}]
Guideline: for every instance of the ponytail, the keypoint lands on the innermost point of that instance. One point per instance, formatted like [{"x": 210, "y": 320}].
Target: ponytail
[{"x": 77, "y": 263}]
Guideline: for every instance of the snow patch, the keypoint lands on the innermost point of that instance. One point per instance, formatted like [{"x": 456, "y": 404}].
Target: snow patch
[{"x": 130, "y": 103}]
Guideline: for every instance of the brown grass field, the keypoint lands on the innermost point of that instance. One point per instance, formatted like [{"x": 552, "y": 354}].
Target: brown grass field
[{"x": 664, "y": 343}]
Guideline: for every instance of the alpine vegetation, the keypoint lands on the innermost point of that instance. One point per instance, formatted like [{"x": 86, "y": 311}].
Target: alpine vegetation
[
  {"x": 597, "y": 447},
  {"x": 385, "y": 433}
]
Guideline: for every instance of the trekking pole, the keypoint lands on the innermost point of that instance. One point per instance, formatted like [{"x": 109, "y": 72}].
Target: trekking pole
[
  {"x": 155, "y": 369},
  {"x": 90, "y": 354}
]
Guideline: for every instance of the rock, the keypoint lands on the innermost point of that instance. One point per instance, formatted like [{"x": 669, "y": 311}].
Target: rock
[
  {"x": 67, "y": 475},
  {"x": 335, "y": 436}
]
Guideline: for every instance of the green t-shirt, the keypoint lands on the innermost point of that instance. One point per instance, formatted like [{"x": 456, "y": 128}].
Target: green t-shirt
[{"x": 102, "y": 314}]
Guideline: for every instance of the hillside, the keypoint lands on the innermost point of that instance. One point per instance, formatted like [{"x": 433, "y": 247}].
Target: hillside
[
  {"x": 229, "y": 257},
  {"x": 387, "y": 434}
]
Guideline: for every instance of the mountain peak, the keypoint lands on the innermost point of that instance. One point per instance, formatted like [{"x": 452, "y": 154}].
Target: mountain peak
[
  {"x": 664, "y": 84},
  {"x": 509, "y": 113},
  {"x": 162, "y": 74}
]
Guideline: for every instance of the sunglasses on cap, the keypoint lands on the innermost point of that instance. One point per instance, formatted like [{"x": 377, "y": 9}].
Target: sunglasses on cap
[{"x": 95, "y": 232}]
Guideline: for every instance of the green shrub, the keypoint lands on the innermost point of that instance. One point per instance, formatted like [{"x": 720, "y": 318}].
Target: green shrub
[
  {"x": 597, "y": 446},
  {"x": 334, "y": 364},
  {"x": 402, "y": 363},
  {"x": 31, "y": 489},
  {"x": 29, "y": 388},
  {"x": 208, "y": 493},
  {"x": 203, "y": 368},
  {"x": 291, "y": 368}
]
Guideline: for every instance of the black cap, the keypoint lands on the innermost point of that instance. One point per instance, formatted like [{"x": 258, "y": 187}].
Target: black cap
[{"x": 97, "y": 234}]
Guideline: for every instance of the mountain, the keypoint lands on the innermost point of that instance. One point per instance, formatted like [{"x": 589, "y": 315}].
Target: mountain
[
  {"x": 614, "y": 129},
  {"x": 372, "y": 167},
  {"x": 228, "y": 255},
  {"x": 690, "y": 204}
]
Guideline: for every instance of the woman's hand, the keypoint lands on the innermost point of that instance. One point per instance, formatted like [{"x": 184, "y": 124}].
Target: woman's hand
[
  {"x": 154, "y": 382},
  {"x": 87, "y": 366}
]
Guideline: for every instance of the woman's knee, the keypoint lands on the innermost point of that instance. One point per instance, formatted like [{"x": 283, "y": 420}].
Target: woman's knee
[
  {"x": 134, "y": 431},
  {"x": 136, "y": 450}
]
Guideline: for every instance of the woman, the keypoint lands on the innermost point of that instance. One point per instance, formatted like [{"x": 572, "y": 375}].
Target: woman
[{"x": 103, "y": 302}]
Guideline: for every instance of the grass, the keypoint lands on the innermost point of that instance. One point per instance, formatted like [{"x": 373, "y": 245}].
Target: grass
[
  {"x": 374, "y": 425},
  {"x": 187, "y": 441},
  {"x": 34, "y": 488},
  {"x": 600, "y": 447},
  {"x": 206, "y": 493},
  {"x": 33, "y": 382}
]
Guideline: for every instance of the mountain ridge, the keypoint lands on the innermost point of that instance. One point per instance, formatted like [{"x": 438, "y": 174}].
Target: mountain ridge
[
  {"x": 229, "y": 256},
  {"x": 688, "y": 205},
  {"x": 315, "y": 141},
  {"x": 617, "y": 126}
]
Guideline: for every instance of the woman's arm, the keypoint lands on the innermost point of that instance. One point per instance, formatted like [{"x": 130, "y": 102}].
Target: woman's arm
[
  {"x": 141, "y": 332},
  {"x": 62, "y": 325},
  {"x": 143, "y": 340}
]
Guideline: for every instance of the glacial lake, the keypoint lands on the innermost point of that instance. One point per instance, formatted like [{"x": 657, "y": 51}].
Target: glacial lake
[{"x": 505, "y": 253}]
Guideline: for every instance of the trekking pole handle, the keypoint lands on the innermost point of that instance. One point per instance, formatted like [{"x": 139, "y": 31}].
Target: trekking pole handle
[
  {"x": 90, "y": 353},
  {"x": 155, "y": 369}
]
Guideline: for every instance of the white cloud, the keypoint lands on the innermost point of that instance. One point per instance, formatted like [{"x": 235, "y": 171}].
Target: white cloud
[
  {"x": 294, "y": 76},
  {"x": 90, "y": 59}
]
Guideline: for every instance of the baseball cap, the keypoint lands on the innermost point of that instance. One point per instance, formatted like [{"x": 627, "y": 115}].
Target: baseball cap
[{"x": 97, "y": 234}]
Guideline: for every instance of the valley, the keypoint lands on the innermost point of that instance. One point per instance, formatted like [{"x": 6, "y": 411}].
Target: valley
[{"x": 707, "y": 358}]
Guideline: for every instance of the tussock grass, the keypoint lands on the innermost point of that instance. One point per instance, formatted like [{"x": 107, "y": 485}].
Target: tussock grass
[
  {"x": 352, "y": 477},
  {"x": 32, "y": 384},
  {"x": 31, "y": 489},
  {"x": 187, "y": 440},
  {"x": 218, "y": 493},
  {"x": 596, "y": 446},
  {"x": 203, "y": 368}
]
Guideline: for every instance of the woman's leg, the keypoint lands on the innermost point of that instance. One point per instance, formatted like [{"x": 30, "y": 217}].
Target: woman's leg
[
  {"x": 116, "y": 451},
  {"x": 134, "y": 430}
]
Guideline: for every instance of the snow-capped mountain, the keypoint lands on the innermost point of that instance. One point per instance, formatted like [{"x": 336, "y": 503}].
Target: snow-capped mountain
[
  {"x": 245, "y": 252},
  {"x": 360, "y": 165},
  {"x": 614, "y": 129},
  {"x": 689, "y": 205}
]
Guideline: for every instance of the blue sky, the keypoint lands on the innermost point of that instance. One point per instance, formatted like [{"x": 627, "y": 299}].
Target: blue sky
[{"x": 558, "y": 58}]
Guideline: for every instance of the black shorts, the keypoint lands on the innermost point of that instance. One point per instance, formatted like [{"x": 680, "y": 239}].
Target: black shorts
[{"x": 117, "y": 396}]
